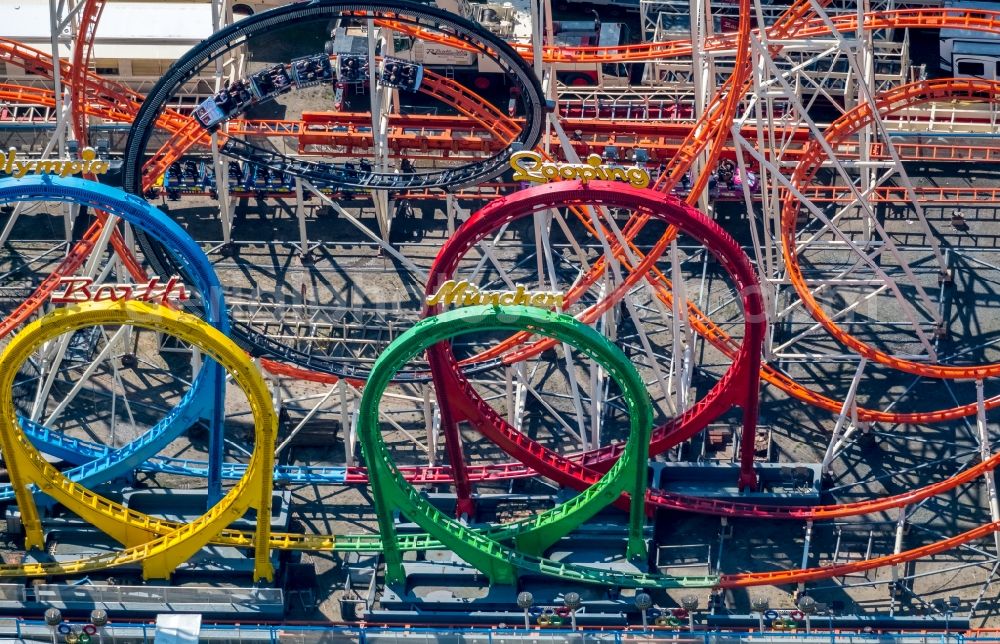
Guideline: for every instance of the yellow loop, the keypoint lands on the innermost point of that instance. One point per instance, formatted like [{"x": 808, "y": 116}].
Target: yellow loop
[{"x": 159, "y": 545}]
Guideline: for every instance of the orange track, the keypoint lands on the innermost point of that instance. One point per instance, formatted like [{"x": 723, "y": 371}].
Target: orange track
[
  {"x": 826, "y": 572},
  {"x": 83, "y": 48},
  {"x": 812, "y": 159},
  {"x": 937, "y": 18},
  {"x": 715, "y": 134},
  {"x": 341, "y": 134}
]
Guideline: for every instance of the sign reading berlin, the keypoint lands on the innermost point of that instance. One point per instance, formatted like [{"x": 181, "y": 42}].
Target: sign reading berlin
[
  {"x": 88, "y": 163},
  {"x": 455, "y": 293},
  {"x": 81, "y": 289}
]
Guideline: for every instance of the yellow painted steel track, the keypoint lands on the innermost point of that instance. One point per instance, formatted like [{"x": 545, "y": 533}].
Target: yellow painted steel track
[{"x": 160, "y": 546}]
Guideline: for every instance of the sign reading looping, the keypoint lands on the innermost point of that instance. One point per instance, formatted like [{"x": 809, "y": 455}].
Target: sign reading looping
[{"x": 529, "y": 166}]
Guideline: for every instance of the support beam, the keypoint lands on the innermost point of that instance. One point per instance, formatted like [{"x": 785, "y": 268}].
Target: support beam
[
  {"x": 806, "y": 547},
  {"x": 983, "y": 433},
  {"x": 849, "y": 404}
]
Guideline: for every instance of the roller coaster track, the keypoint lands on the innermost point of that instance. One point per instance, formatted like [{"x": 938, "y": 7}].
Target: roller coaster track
[
  {"x": 929, "y": 18},
  {"x": 446, "y": 90},
  {"x": 737, "y": 386},
  {"x": 502, "y": 563},
  {"x": 448, "y": 377},
  {"x": 718, "y": 338},
  {"x": 502, "y": 130},
  {"x": 83, "y": 49},
  {"x": 453, "y": 135},
  {"x": 825, "y": 572},
  {"x": 347, "y": 542},
  {"x": 99, "y": 90},
  {"x": 956, "y": 17},
  {"x": 202, "y": 397},
  {"x": 75, "y": 450},
  {"x": 805, "y": 171},
  {"x": 499, "y": 562},
  {"x": 159, "y": 548},
  {"x": 187, "y": 132},
  {"x": 518, "y": 72}
]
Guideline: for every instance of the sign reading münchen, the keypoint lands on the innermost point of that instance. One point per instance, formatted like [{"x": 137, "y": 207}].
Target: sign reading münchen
[{"x": 461, "y": 293}]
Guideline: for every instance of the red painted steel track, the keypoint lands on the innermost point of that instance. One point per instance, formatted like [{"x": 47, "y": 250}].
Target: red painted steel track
[
  {"x": 738, "y": 386},
  {"x": 83, "y": 48},
  {"x": 715, "y": 136}
]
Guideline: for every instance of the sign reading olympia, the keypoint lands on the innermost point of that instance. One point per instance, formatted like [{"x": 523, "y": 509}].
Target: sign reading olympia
[
  {"x": 81, "y": 289},
  {"x": 88, "y": 163},
  {"x": 461, "y": 293},
  {"x": 528, "y": 166}
]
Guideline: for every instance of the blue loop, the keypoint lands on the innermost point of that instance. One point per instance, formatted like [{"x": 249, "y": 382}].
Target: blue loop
[
  {"x": 94, "y": 466},
  {"x": 64, "y": 629},
  {"x": 653, "y": 613},
  {"x": 771, "y": 614}
]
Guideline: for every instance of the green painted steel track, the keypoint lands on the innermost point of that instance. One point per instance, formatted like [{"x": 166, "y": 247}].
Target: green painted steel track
[{"x": 504, "y": 551}]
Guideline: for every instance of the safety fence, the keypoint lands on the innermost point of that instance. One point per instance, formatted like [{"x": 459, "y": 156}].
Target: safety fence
[{"x": 29, "y": 630}]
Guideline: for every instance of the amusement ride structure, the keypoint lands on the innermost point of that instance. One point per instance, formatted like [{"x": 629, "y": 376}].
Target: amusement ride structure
[{"x": 769, "y": 252}]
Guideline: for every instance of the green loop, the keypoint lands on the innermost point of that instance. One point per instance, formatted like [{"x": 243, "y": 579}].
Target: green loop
[{"x": 483, "y": 549}]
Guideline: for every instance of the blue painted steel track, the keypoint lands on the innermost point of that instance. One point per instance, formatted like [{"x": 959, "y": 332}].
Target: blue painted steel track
[{"x": 95, "y": 464}]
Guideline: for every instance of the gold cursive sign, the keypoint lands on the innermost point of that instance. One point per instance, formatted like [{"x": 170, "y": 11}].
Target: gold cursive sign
[
  {"x": 454, "y": 293},
  {"x": 528, "y": 166},
  {"x": 87, "y": 163}
]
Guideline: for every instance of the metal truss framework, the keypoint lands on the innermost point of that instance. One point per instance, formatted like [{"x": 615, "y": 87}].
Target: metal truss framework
[{"x": 789, "y": 74}]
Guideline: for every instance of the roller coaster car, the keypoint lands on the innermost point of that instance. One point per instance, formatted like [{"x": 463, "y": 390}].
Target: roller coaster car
[
  {"x": 192, "y": 173},
  {"x": 240, "y": 96},
  {"x": 312, "y": 70},
  {"x": 262, "y": 176},
  {"x": 184, "y": 177},
  {"x": 400, "y": 74},
  {"x": 352, "y": 68},
  {"x": 173, "y": 174},
  {"x": 232, "y": 100},
  {"x": 209, "y": 114},
  {"x": 271, "y": 82}
]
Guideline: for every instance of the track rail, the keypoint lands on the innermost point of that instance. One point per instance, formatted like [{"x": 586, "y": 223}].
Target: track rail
[
  {"x": 530, "y": 95},
  {"x": 159, "y": 550},
  {"x": 200, "y": 399},
  {"x": 738, "y": 386},
  {"x": 967, "y": 89}
]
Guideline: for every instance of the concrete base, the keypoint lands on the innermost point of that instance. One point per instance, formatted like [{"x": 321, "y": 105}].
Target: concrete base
[{"x": 443, "y": 588}]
